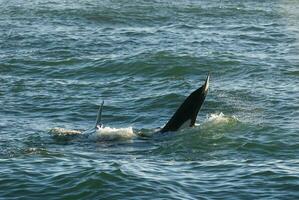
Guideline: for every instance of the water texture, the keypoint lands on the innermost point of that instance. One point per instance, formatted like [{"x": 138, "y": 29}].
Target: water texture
[{"x": 60, "y": 59}]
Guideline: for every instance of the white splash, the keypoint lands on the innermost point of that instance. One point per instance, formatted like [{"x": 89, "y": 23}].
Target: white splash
[
  {"x": 64, "y": 132},
  {"x": 108, "y": 134},
  {"x": 220, "y": 118}
]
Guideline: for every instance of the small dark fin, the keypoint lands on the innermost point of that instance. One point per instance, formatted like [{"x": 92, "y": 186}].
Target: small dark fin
[{"x": 99, "y": 116}]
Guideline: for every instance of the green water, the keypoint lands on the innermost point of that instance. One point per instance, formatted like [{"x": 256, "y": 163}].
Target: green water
[{"x": 60, "y": 59}]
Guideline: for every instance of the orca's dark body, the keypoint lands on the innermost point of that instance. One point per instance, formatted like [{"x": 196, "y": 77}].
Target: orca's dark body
[
  {"x": 185, "y": 116},
  {"x": 187, "y": 112}
]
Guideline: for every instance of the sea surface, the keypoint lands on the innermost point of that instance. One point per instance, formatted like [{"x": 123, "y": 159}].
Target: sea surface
[{"x": 59, "y": 59}]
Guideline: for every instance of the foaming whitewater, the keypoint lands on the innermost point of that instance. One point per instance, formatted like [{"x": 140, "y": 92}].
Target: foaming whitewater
[
  {"x": 117, "y": 134},
  {"x": 112, "y": 134},
  {"x": 101, "y": 134},
  {"x": 215, "y": 122},
  {"x": 57, "y": 131},
  {"x": 220, "y": 118}
]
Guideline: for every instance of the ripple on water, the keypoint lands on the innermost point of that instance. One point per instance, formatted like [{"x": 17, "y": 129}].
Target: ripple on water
[{"x": 60, "y": 59}]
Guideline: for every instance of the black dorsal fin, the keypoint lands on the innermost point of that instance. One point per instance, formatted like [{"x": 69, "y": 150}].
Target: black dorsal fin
[
  {"x": 99, "y": 116},
  {"x": 188, "y": 110}
]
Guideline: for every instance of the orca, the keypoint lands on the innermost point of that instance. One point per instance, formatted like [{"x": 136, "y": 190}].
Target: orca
[
  {"x": 99, "y": 124},
  {"x": 186, "y": 114}
]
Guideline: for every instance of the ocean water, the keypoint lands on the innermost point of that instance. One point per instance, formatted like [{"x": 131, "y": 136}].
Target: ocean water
[{"x": 60, "y": 59}]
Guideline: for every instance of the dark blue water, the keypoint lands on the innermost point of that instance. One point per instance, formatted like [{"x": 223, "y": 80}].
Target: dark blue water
[{"x": 60, "y": 59}]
